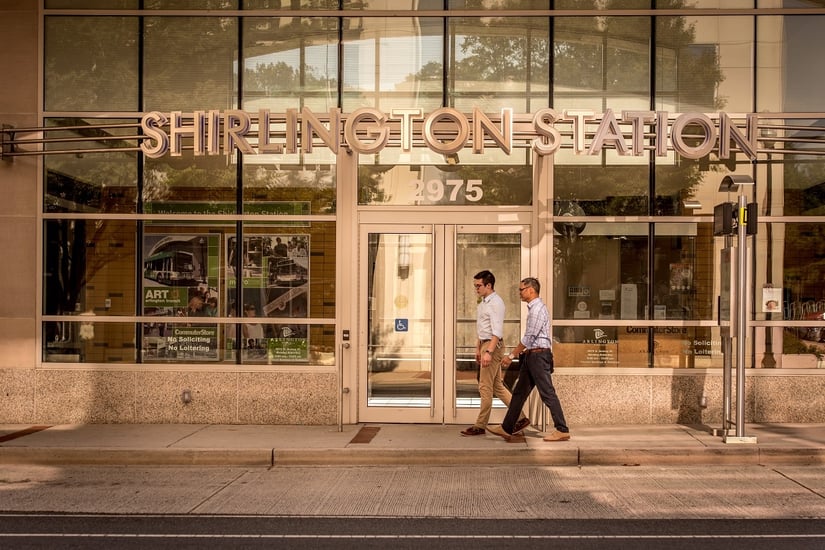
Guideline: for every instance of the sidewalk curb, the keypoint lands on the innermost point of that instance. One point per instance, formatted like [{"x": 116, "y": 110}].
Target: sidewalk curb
[
  {"x": 428, "y": 457},
  {"x": 50, "y": 456},
  {"x": 670, "y": 456}
]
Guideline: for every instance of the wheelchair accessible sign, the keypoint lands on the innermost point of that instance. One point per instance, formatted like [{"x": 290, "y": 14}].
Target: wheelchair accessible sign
[{"x": 402, "y": 325}]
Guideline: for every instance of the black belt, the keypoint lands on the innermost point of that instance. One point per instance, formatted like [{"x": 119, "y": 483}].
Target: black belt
[{"x": 535, "y": 350}]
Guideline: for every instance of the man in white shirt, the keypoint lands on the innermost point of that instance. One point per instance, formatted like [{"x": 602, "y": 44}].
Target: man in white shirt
[{"x": 489, "y": 352}]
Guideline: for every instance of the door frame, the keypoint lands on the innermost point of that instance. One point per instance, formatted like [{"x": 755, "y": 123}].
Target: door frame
[{"x": 443, "y": 407}]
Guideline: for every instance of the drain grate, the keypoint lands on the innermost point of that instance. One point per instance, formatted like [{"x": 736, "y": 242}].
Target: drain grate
[{"x": 365, "y": 434}]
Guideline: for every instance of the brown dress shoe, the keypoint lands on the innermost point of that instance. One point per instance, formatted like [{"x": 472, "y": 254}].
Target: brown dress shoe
[
  {"x": 499, "y": 431},
  {"x": 556, "y": 435},
  {"x": 520, "y": 425},
  {"x": 472, "y": 430}
]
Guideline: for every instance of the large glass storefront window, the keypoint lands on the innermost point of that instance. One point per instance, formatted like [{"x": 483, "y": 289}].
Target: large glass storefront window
[
  {"x": 601, "y": 63},
  {"x": 392, "y": 63},
  {"x": 81, "y": 56},
  {"x": 92, "y": 181},
  {"x": 190, "y": 185},
  {"x": 601, "y": 274},
  {"x": 703, "y": 65},
  {"x": 290, "y": 63},
  {"x": 202, "y": 236},
  {"x": 276, "y": 278},
  {"x": 382, "y": 183},
  {"x": 495, "y": 64},
  {"x": 600, "y": 271},
  {"x": 176, "y": 77},
  {"x": 194, "y": 277}
]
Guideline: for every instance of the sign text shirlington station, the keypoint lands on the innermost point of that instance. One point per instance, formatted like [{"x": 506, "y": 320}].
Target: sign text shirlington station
[{"x": 444, "y": 131}]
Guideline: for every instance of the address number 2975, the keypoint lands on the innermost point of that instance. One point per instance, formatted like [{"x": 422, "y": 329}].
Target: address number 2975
[{"x": 436, "y": 190}]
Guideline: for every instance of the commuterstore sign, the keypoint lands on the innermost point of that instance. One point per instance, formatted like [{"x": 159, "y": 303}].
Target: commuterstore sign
[{"x": 446, "y": 131}]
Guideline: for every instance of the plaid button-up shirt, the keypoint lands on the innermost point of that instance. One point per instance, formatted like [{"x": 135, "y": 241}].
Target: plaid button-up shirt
[{"x": 537, "y": 333}]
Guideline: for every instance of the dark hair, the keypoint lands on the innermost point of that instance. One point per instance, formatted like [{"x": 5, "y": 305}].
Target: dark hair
[
  {"x": 486, "y": 277},
  {"x": 249, "y": 306},
  {"x": 533, "y": 283}
]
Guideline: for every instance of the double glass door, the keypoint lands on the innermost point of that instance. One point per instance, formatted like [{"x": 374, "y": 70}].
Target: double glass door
[{"x": 418, "y": 316}]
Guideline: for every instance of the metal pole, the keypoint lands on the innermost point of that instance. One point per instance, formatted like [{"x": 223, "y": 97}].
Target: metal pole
[
  {"x": 742, "y": 301},
  {"x": 741, "y": 312}
]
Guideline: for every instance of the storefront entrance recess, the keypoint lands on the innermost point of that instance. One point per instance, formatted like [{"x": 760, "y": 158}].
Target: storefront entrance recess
[{"x": 418, "y": 316}]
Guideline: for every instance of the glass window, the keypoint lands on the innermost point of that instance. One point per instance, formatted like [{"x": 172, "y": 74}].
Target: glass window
[
  {"x": 405, "y": 183},
  {"x": 496, "y": 63},
  {"x": 458, "y": 5},
  {"x": 281, "y": 5},
  {"x": 93, "y": 182},
  {"x": 704, "y": 64},
  {"x": 601, "y": 270},
  {"x": 683, "y": 271},
  {"x": 790, "y": 182},
  {"x": 601, "y": 5},
  {"x": 393, "y": 4},
  {"x": 597, "y": 190},
  {"x": 392, "y": 62},
  {"x": 288, "y": 269},
  {"x": 279, "y": 187},
  {"x": 287, "y": 276},
  {"x": 189, "y": 185},
  {"x": 290, "y": 63},
  {"x": 789, "y": 52},
  {"x": 87, "y": 341},
  {"x": 190, "y": 63},
  {"x": 628, "y": 346},
  {"x": 91, "y": 64},
  {"x": 790, "y": 4},
  {"x": 800, "y": 251},
  {"x": 89, "y": 267},
  {"x": 601, "y": 63},
  {"x": 679, "y": 347},
  {"x": 91, "y": 4},
  {"x": 704, "y": 4},
  {"x": 190, "y": 4}
]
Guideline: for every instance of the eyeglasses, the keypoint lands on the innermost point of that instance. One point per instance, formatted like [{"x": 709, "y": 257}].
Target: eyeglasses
[
  {"x": 477, "y": 286},
  {"x": 523, "y": 289}
]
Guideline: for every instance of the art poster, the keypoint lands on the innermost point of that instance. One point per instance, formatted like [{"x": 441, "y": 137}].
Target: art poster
[
  {"x": 180, "y": 287},
  {"x": 274, "y": 270}
]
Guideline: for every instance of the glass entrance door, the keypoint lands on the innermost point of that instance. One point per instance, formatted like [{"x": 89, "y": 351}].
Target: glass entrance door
[{"x": 418, "y": 317}]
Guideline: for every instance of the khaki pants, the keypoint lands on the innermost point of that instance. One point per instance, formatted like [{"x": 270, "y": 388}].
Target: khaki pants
[{"x": 491, "y": 384}]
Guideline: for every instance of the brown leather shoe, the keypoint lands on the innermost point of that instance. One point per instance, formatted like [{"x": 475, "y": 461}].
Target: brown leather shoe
[
  {"x": 499, "y": 431},
  {"x": 556, "y": 435},
  {"x": 520, "y": 425},
  {"x": 472, "y": 430}
]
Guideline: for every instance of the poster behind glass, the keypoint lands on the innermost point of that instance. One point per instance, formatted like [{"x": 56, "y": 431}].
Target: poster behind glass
[
  {"x": 275, "y": 274},
  {"x": 180, "y": 287}
]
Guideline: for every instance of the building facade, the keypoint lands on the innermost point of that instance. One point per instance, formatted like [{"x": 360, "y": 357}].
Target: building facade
[{"x": 260, "y": 211}]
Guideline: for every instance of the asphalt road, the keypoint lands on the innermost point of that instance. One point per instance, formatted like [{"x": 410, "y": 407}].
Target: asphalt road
[
  {"x": 723, "y": 507},
  {"x": 44, "y": 531}
]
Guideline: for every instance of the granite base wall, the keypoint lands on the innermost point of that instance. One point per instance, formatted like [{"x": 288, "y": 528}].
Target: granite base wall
[{"x": 68, "y": 396}]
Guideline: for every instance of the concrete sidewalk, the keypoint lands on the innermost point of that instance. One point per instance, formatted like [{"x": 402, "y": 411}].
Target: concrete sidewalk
[{"x": 394, "y": 444}]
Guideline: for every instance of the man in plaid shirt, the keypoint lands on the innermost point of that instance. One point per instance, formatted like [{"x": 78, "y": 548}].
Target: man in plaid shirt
[{"x": 536, "y": 366}]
